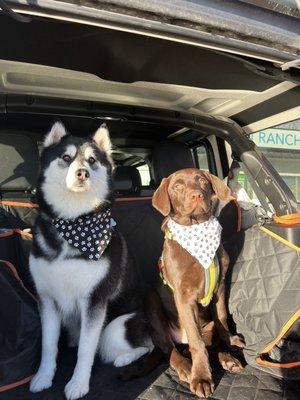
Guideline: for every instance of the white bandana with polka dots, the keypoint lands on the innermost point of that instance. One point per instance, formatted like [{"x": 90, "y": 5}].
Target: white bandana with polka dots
[
  {"x": 90, "y": 234},
  {"x": 200, "y": 240}
]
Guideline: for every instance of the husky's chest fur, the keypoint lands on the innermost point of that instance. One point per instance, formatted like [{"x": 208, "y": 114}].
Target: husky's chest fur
[{"x": 67, "y": 280}]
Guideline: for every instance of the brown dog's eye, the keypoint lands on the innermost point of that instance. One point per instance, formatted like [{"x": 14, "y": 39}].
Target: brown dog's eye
[
  {"x": 66, "y": 158},
  {"x": 200, "y": 180},
  {"x": 178, "y": 186},
  {"x": 92, "y": 160}
]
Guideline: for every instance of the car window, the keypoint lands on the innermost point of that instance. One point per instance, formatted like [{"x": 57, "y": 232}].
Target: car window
[
  {"x": 145, "y": 174},
  {"x": 201, "y": 155},
  {"x": 281, "y": 146}
]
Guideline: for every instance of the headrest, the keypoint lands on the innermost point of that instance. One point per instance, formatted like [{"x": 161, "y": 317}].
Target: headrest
[
  {"x": 19, "y": 156},
  {"x": 168, "y": 157},
  {"x": 127, "y": 180}
]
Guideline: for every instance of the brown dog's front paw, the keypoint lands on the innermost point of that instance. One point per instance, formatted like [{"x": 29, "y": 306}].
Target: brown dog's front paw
[
  {"x": 237, "y": 341},
  {"x": 184, "y": 370},
  {"x": 230, "y": 363},
  {"x": 181, "y": 365},
  {"x": 202, "y": 387}
]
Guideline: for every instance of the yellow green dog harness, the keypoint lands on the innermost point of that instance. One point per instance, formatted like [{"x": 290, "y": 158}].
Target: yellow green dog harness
[{"x": 211, "y": 267}]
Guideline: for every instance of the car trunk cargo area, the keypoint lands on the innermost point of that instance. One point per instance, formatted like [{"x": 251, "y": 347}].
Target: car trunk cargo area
[
  {"x": 141, "y": 226},
  {"x": 151, "y": 92}
]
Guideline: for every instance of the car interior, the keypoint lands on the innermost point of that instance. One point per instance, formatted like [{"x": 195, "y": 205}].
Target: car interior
[
  {"x": 167, "y": 107},
  {"x": 160, "y": 148}
]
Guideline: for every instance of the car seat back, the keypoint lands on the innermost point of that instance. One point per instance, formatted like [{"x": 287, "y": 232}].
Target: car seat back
[{"x": 18, "y": 175}]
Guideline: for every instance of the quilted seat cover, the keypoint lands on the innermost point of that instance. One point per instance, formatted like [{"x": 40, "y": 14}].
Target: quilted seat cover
[{"x": 265, "y": 294}]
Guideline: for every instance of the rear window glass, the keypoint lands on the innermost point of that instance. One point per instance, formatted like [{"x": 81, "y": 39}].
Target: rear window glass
[
  {"x": 202, "y": 156},
  {"x": 281, "y": 146},
  {"x": 145, "y": 174}
]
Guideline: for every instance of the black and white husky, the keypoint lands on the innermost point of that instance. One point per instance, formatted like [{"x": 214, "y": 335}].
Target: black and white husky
[{"x": 80, "y": 264}]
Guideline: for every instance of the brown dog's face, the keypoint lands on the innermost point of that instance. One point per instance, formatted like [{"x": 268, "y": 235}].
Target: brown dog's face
[{"x": 187, "y": 194}]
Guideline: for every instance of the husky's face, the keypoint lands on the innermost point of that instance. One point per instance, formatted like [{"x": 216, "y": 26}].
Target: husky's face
[{"x": 76, "y": 172}]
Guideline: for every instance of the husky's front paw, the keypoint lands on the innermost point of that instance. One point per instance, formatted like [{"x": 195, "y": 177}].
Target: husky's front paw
[
  {"x": 41, "y": 381},
  {"x": 76, "y": 389}
]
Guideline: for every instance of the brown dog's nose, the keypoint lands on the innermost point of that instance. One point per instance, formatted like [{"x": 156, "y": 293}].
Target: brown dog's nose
[
  {"x": 195, "y": 196},
  {"x": 82, "y": 174}
]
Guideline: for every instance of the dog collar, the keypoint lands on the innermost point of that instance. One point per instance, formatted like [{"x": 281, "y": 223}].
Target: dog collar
[
  {"x": 200, "y": 240},
  {"x": 90, "y": 234}
]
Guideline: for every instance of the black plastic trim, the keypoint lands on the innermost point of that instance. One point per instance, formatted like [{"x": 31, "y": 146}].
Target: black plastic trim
[
  {"x": 273, "y": 106},
  {"x": 223, "y": 156},
  {"x": 209, "y": 152},
  {"x": 2, "y": 103}
]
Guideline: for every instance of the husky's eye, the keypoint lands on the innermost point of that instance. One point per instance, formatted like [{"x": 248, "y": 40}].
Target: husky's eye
[
  {"x": 92, "y": 160},
  {"x": 66, "y": 158}
]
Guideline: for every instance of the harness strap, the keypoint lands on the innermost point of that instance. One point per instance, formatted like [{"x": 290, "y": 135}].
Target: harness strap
[
  {"x": 211, "y": 280},
  {"x": 211, "y": 276}
]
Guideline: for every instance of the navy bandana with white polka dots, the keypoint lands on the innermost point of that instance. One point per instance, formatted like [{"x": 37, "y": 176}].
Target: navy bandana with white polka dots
[{"x": 90, "y": 234}]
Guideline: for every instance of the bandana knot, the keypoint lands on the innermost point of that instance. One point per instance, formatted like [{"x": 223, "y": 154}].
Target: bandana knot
[{"x": 90, "y": 233}]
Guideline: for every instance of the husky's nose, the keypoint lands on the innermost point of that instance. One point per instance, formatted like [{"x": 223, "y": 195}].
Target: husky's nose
[{"x": 82, "y": 174}]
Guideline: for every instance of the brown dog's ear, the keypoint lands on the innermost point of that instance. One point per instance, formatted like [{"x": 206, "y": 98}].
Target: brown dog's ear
[
  {"x": 161, "y": 199},
  {"x": 221, "y": 190}
]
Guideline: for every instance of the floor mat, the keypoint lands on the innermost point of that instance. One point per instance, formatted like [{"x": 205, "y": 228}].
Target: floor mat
[
  {"x": 161, "y": 384},
  {"x": 104, "y": 385},
  {"x": 252, "y": 384}
]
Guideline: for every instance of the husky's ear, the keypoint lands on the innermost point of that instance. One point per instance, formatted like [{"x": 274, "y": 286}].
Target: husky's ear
[
  {"x": 102, "y": 139},
  {"x": 56, "y": 133},
  {"x": 161, "y": 200}
]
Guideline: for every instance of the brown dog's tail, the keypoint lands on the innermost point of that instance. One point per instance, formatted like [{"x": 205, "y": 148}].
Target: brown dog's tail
[{"x": 143, "y": 366}]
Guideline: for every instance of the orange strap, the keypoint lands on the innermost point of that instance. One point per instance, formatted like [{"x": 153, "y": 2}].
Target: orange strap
[
  {"x": 6, "y": 233},
  {"x": 288, "y": 220},
  {"x": 260, "y": 360},
  {"x": 120, "y": 199},
  {"x": 18, "y": 204},
  {"x": 15, "y": 384},
  {"x": 34, "y": 205},
  {"x": 16, "y": 275},
  {"x": 10, "y": 232},
  {"x": 23, "y": 233},
  {"x": 283, "y": 331}
]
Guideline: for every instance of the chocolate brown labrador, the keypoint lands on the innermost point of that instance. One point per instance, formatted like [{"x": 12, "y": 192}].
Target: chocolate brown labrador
[{"x": 187, "y": 196}]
